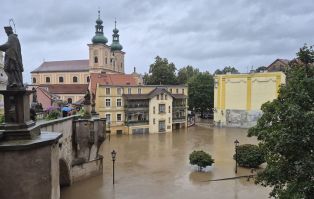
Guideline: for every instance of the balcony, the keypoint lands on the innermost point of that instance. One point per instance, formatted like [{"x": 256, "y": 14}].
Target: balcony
[
  {"x": 180, "y": 119},
  {"x": 136, "y": 107},
  {"x": 137, "y": 122}
]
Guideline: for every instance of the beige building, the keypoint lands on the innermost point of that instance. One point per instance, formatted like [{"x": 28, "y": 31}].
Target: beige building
[
  {"x": 238, "y": 97},
  {"x": 132, "y": 108}
]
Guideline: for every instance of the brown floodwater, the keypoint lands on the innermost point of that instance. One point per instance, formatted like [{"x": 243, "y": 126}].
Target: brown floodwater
[{"x": 157, "y": 166}]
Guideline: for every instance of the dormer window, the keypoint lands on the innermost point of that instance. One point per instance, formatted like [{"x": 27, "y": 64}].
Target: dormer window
[{"x": 34, "y": 80}]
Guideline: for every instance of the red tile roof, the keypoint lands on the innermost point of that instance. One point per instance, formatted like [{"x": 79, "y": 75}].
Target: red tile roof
[
  {"x": 111, "y": 79},
  {"x": 66, "y": 88},
  {"x": 63, "y": 66}
]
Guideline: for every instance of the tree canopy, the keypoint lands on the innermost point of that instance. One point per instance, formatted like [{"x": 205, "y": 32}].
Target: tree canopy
[
  {"x": 226, "y": 70},
  {"x": 186, "y": 73},
  {"x": 201, "y": 92},
  {"x": 286, "y": 133},
  {"x": 161, "y": 72}
]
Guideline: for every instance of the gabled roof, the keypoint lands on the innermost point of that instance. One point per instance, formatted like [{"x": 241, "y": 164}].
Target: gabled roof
[
  {"x": 283, "y": 62},
  {"x": 158, "y": 91},
  {"x": 111, "y": 79},
  {"x": 152, "y": 94},
  {"x": 66, "y": 88},
  {"x": 63, "y": 66}
]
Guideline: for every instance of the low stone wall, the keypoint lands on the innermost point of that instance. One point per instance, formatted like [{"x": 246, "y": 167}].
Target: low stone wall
[{"x": 87, "y": 170}]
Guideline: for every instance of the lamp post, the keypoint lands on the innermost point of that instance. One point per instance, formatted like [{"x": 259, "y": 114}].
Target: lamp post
[
  {"x": 113, "y": 156},
  {"x": 236, "y": 144}
]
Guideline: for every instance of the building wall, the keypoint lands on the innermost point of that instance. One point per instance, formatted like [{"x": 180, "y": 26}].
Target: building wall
[
  {"x": 54, "y": 77},
  {"x": 156, "y": 117},
  {"x": 238, "y": 97},
  {"x": 113, "y": 110},
  {"x": 106, "y": 60},
  {"x": 74, "y": 97}
]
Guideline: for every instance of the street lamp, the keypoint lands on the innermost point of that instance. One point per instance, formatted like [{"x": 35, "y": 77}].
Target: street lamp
[
  {"x": 236, "y": 144},
  {"x": 113, "y": 156}
]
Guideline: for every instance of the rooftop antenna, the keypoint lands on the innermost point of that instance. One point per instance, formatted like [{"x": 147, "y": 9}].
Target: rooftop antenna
[
  {"x": 12, "y": 21},
  {"x": 115, "y": 23}
]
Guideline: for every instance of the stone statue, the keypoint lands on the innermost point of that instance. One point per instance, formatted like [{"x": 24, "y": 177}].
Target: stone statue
[
  {"x": 13, "y": 65},
  {"x": 34, "y": 95},
  {"x": 87, "y": 98}
]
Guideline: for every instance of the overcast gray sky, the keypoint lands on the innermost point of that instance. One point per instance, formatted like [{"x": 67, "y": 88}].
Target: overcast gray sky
[{"x": 208, "y": 34}]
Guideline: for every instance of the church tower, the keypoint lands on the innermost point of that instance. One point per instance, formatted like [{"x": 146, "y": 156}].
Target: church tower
[
  {"x": 101, "y": 56},
  {"x": 116, "y": 49}
]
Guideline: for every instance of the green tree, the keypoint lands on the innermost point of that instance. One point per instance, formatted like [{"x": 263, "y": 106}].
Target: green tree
[
  {"x": 161, "y": 72},
  {"x": 201, "y": 92},
  {"x": 226, "y": 70},
  {"x": 186, "y": 73},
  {"x": 286, "y": 134},
  {"x": 249, "y": 155},
  {"x": 201, "y": 159},
  {"x": 260, "y": 69}
]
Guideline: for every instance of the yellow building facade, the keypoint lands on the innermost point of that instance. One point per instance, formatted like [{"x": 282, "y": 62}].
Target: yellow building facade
[
  {"x": 238, "y": 97},
  {"x": 142, "y": 108}
]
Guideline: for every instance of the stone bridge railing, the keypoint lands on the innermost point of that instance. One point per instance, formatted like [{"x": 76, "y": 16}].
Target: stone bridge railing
[{"x": 78, "y": 146}]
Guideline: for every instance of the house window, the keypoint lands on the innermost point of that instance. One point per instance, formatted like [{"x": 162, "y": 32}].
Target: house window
[
  {"x": 119, "y": 91},
  {"x": 87, "y": 79},
  {"x": 34, "y": 80},
  {"x": 139, "y": 90},
  {"x": 169, "y": 119},
  {"x": 182, "y": 90},
  {"x": 60, "y": 79},
  {"x": 154, "y": 110},
  {"x": 165, "y": 97},
  {"x": 129, "y": 90},
  {"x": 162, "y": 108},
  {"x": 108, "y": 118},
  {"x": 169, "y": 109},
  {"x": 75, "y": 79},
  {"x": 108, "y": 103},
  {"x": 157, "y": 97},
  {"x": 119, "y": 117},
  {"x": 154, "y": 121},
  {"x": 162, "y": 126},
  {"x": 107, "y": 91},
  {"x": 170, "y": 90},
  {"x": 119, "y": 102},
  {"x": 47, "y": 79},
  {"x": 96, "y": 59},
  {"x": 70, "y": 100},
  {"x": 177, "y": 91},
  {"x": 162, "y": 96}
]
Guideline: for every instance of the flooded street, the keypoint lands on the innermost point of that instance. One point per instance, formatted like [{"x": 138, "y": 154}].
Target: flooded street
[{"x": 157, "y": 166}]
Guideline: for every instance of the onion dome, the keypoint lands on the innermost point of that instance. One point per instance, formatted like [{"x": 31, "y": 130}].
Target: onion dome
[
  {"x": 99, "y": 37},
  {"x": 115, "y": 39}
]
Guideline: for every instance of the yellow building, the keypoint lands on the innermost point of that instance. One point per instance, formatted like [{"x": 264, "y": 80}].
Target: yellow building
[
  {"x": 132, "y": 108},
  {"x": 238, "y": 97}
]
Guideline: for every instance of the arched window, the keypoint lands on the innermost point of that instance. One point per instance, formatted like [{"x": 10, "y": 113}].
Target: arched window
[
  {"x": 87, "y": 79},
  {"x": 47, "y": 79},
  {"x": 34, "y": 80},
  {"x": 96, "y": 59},
  {"x": 75, "y": 79},
  {"x": 106, "y": 60},
  {"x": 70, "y": 100},
  {"x": 60, "y": 79}
]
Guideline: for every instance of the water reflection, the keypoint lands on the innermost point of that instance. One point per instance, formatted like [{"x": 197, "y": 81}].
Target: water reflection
[{"x": 157, "y": 166}]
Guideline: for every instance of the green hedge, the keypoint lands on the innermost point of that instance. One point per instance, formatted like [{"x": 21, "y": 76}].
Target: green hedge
[{"x": 249, "y": 155}]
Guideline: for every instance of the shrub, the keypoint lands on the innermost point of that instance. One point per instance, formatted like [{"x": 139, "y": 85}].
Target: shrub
[
  {"x": 249, "y": 155},
  {"x": 53, "y": 115},
  {"x": 201, "y": 159}
]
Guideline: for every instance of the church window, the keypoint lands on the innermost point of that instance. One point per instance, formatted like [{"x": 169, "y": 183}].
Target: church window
[
  {"x": 34, "y": 80},
  {"x": 75, "y": 79},
  {"x": 47, "y": 79},
  {"x": 106, "y": 60},
  {"x": 87, "y": 79},
  {"x": 70, "y": 100},
  {"x": 96, "y": 59},
  {"x": 60, "y": 79}
]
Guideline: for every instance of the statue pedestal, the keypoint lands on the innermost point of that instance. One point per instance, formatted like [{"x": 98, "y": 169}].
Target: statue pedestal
[
  {"x": 17, "y": 123},
  {"x": 29, "y": 158}
]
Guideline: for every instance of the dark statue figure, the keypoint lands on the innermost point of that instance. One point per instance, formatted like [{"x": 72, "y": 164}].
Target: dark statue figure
[
  {"x": 87, "y": 98},
  {"x": 34, "y": 95},
  {"x": 13, "y": 65}
]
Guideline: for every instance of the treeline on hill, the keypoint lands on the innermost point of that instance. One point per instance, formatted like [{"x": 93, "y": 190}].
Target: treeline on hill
[{"x": 200, "y": 84}]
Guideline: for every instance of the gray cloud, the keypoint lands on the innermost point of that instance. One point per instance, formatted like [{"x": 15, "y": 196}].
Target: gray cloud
[{"x": 205, "y": 34}]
